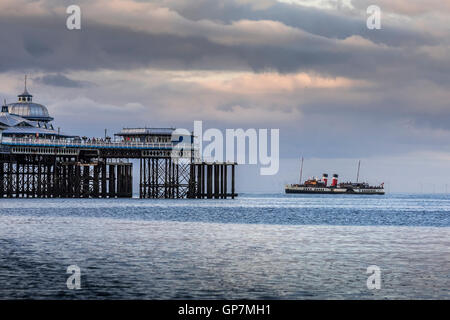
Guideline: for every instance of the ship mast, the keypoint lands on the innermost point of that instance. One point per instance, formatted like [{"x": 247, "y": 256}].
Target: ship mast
[
  {"x": 301, "y": 172},
  {"x": 357, "y": 174}
]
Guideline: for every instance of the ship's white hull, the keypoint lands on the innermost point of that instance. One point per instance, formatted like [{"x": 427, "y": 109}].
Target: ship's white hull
[{"x": 367, "y": 191}]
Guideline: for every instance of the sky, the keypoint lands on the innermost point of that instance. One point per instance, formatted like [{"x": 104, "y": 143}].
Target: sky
[{"x": 337, "y": 91}]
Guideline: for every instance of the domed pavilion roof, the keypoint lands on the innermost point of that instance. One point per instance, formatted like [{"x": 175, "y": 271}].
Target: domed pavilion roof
[{"x": 27, "y": 109}]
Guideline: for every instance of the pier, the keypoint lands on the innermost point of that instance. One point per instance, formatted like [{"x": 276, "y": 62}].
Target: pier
[
  {"x": 37, "y": 161},
  {"x": 42, "y": 168}
]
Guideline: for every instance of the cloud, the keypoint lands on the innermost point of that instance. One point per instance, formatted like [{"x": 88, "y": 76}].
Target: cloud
[
  {"x": 44, "y": 45},
  {"x": 60, "y": 80},
  {"x": 268, "y": 83},
  {"x": 336, "y": 22},
  {"x": 162, "y": 37},
  {"x": 406, "y": 7}
]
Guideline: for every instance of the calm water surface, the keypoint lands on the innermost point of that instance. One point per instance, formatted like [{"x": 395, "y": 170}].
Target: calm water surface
[{"x": 254, "y": 247}]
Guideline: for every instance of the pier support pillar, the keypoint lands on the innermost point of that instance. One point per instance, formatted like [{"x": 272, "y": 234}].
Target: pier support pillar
[{"x": 232, "y": 181}]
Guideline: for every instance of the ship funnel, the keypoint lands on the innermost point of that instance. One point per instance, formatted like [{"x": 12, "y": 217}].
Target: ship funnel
[
  {"x": 334, "y": 181},
  {"x": 325, "y": 178}
]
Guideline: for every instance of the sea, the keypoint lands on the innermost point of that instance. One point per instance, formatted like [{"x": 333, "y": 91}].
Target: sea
[{"x": 257, "y": 246}]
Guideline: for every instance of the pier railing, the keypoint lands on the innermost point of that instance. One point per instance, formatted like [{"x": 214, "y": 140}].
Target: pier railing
[{"x": 85, "y": 143}]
